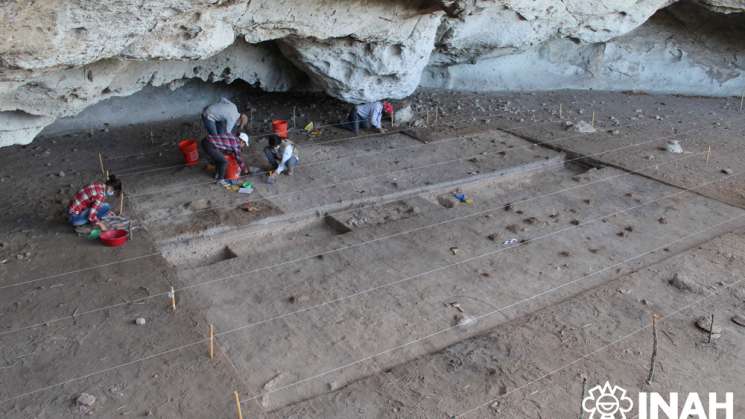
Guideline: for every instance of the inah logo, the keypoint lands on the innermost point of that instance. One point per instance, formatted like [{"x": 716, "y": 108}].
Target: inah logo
[
  {"x": 607, "y": 402},
  {"x": 611, "y": 402}
]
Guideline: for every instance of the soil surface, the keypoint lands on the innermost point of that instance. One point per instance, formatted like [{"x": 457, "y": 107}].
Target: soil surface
[{"x": 480, "y": 260}]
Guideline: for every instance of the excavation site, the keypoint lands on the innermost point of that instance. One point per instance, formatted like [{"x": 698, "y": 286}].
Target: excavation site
[{"x": 218, "y": 209}]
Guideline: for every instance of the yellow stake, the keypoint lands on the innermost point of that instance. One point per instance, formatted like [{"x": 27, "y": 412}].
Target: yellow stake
[
  {"x": 173, "y": 299},
  {"x": 238, "y": 404},
  {"x": 212, "y": 342}
]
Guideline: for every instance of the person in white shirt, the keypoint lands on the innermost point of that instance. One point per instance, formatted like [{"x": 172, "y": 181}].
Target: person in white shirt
[
  {"x": 222, "y": 117},
  {"x": 365, "y": 116},
  {"x": 282, "y": 156}
]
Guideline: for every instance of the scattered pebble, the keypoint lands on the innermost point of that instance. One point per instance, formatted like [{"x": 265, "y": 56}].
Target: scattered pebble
[
  {"x": 61, "y": 174},
  {"x": 727, "y": 171},
  {"x": 704, "y": 323},
  {"x": 685, "y": 284},
  {"x": 584, "y": 128},
  {"x": 85, "y": 402},
  {"x": 738, "y": 320},
  {"x": 140, "y": 321}
]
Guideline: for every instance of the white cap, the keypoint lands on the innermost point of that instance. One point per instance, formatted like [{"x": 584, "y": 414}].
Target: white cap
[{"x": 244, "y": 137}]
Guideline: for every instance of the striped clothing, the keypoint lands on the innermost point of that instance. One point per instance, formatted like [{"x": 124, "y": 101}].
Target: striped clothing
[
  {"x": 91, "y": 196},
  {"x": 228, "y": 143}
]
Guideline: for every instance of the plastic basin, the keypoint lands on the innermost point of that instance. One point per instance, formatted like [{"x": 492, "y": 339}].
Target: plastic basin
[{"x": 114, "y": 238}]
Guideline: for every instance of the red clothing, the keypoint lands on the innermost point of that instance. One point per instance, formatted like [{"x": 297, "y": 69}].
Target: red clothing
[
  {"x": 91, "y": 196},
  {"x": 228, "y": 143}
]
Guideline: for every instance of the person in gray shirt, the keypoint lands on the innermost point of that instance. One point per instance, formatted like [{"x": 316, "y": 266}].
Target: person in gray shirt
[
  {"x": 222, "y": 117},
  {"x": 365, "y": 116}
]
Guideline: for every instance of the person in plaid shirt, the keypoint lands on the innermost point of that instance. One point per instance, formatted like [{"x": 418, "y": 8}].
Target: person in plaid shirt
[
  {"x": 89, "y": 205},
  {"x": 217, "y": 145}
]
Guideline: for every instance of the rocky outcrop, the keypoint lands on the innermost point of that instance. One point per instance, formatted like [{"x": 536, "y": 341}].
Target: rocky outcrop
[
  {"x": 484, "y": 29},
  {"x": 683, "y": 49},
  {"x": 364, "y": 71},
  {"x": 58, "y": 57},
  {"x": 724, "y": 6}
]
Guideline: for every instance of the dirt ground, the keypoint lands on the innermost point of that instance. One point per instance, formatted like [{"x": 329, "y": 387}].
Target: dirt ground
[{"x": 362, "y": 286}]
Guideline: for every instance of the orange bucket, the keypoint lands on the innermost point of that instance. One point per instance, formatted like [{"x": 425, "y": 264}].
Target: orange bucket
[
  {"x": 233, "y": 171},
  {"x": 189, "y": 150},
  {"x": 279, "y": 127}
]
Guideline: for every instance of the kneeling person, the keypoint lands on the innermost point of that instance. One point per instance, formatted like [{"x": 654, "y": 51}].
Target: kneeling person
[
  {"x": 89, "y": 205},
  {"x": 282, "y": 156},
  {"x": 216, "y": 146}
]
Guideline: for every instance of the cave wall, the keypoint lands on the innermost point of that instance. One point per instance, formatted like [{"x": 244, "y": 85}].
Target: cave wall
[
  {"x": 683, "y": 49},
  {"x": 59, "y": 57}
]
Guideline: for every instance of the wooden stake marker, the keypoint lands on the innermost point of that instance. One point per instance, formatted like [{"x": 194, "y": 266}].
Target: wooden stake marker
[
  {"x": 708, "y": 154},
  {"x": 561, "y": 111},
  {"x": 653, "y": 359},
  {"x": 742, "y": 100},
  {"x": 173, "y": 299},
  {"x": 238, "y": 404},
  {"x": 121, "y": 204},
  {"x": 100, "y": 161},
  {"x": 593, "y": 119},
  {"x": 212, "y": 342}
]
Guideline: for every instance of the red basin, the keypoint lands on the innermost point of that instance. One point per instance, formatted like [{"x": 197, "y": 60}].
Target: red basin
[{"x": 114, "y": 238}]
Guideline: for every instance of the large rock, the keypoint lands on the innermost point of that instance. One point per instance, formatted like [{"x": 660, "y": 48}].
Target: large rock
[
  {"x": 32, "y": 100},
  {"x": 484, "y": 28},
  {"x": 61, "y": 56},
  {"x": 684, "y": 49},
  {"x": 58, "y": 57},
  {"x": 389, "y": 66},
  {"x": 724, "y": 6}
]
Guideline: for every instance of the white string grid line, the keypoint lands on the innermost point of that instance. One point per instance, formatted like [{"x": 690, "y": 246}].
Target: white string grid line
[
  {"x": 397, "y": 347},
  {"x": 319, "y": 144},
  {"x": 340, "y": 124},
  {"x": 434, "y": 143},
  {"x": 600, "y": 349},
  {"x": 498, "y": 207},
  {"x": 426, "y": 166},
  {"x": 482, "y": 316},
  {"x": 527, "y": 171}
]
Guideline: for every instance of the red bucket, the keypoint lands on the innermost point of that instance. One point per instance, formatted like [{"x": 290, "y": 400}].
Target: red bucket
[
  {"x": 189, "y": 150},
  {"x": 233, "y": 171},
  {"x": 279, "y": 127},
  {"x": 114, "y": 238}
]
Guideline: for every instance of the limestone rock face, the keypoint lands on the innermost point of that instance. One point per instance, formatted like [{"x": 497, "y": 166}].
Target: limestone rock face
[
  {"x": 58, "y": 57},
  {"x": 485, "y": 28},
  {"x": 359, "y": 72},
  {"x": 683, "y": 49},
  {"x": 724, "y": 6}
]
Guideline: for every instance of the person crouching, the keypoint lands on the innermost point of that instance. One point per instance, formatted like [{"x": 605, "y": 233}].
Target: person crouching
[
  {"x": 282, "y": 156},
  {"x": 368, "y": 115},
  {"x": 216, "y": 146},
  {"x": 89, "y": 205}
]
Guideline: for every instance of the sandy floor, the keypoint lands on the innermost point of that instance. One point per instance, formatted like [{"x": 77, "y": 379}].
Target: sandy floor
[{"x": 360, "y": 287}]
